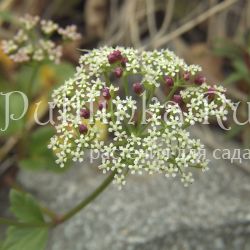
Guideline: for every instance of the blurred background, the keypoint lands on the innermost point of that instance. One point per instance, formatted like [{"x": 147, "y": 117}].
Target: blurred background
[{"x": 156, "y": 213}]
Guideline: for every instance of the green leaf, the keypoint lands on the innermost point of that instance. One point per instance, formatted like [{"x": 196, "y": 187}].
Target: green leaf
[
  {"x": 6, "y": 16},
  {"x": 25, "y": 239},
  {"x": 40, "y": 139},
  {"x": 233, "y": 78},
  {"x": 16, "y": 108},
  {"x": 39, "y": 163},
  {"x": 24, "y": 207},
  {"x": 63, "y": 71},
  {"x": 39, "y": 156},
  {"x": 228, "y": 49},
  {"x": 241, "y": 67}
]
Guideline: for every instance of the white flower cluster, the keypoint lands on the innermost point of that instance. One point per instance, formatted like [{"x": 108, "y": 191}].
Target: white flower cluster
[
  {"x": 200, "y": 107},
  {"x": 33, "y": 41},
  {"x": 156, "y": 62},
  {"x": 160, "y": 143}
]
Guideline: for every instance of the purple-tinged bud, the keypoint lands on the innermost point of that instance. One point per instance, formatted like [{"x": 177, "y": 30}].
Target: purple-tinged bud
[
  {"x": 112, "y": 58},
  {"x": 118, "y": 72},
  {"x": 102, "y": 105},
  {"x": 177, "y": 99},
  {"x": 186, "y": 76},
  {"x": 84, "y": 113},
  {"x": 199, "y": 80},
  {"x": 83, "y": 129},
  {"x": 169, "y": 81},
  {"x": 117, "y": 54},
  {"x": 138, "y": 88},
  {"x": 124, "y": 61},
  {"x": 106, "y": 93}
]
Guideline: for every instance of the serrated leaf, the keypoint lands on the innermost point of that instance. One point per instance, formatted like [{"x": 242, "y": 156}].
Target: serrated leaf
[
  {"x": 25, "y": 238},
  {"x": 24, "y": 207}
]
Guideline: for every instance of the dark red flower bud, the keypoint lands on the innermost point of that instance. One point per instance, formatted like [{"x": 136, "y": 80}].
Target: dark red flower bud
[
  {"x": 169, "y": 81},
  {"x": 84, "y": 113},
  {"x": 124, "y": 60},
  {"x": 138, "y": 88},
  {"x": 83, "y": 129},
  {"x": 106, "y": 93},
  {"x": 112, "y": 58},
  {"x": 118, "y": 72},
  {"x": 102, "y": 105},
  {"x": 117, "y": 54},
  {"x": 186, "y": 76},
  {"x": 177, "y": 99},
  {"x": 199, "y": 80}
]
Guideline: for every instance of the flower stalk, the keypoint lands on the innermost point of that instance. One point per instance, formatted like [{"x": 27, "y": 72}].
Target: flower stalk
[{"x": 87, "y": 200}]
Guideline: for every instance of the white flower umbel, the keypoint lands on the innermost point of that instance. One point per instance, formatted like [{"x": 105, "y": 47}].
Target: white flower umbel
[
  {"x": 154, "y": 139},
  {"x": 33, "y": 41}
]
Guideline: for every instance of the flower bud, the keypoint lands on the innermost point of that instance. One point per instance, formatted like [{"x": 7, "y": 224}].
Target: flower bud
[
  {"x": 124, "y": 60},
  {"x": 169, "y": 81},
  {"x": 106, "y": 93},
  {"x": 177, "y": 99},
  {"x": 118, "y": 72},
  {"x": 102, "y": 105},
  {"x": 83, "y": 129},
  {"x": 138, "y": 88},
  {"x": 84, "y": 113},
  {"x": 186, "y": 76},
  {"x": 199, "y": 80},
  {"x": 112, "y": 58},
  {"x": 117, "y": 54}
]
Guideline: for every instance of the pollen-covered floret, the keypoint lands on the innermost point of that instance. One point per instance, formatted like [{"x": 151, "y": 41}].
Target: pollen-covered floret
[{"x": 144, "y": 134}]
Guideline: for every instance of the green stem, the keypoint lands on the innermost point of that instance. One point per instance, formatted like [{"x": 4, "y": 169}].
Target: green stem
[
  {"x": 170, "y": 95},
  {"x": 31, "y": 84},
  {"x": 86, "y": 201},
  {"x": 125, "y": 84},
  {"x": 51, "y": 214}
]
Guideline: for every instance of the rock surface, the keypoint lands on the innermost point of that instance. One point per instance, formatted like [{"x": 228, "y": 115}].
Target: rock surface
[{"x": 150, "y": 212}]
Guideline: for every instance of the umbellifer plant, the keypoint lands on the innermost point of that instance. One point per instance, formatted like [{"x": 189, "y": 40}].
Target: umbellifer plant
[{"x": 118, "y": 88}]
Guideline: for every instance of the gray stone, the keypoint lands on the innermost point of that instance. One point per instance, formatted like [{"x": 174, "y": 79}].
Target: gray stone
[{"x": 150, "y": 212}]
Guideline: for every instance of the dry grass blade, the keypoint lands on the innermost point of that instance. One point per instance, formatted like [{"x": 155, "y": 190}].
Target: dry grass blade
[{"x": 194, "y": 22}]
